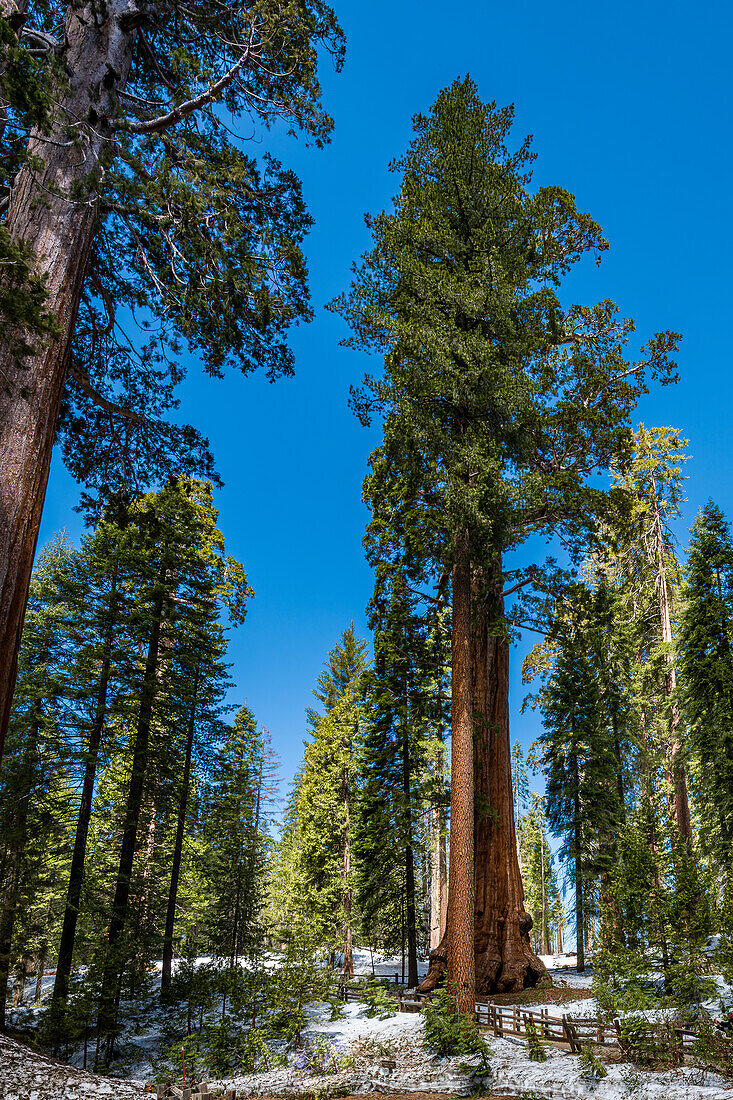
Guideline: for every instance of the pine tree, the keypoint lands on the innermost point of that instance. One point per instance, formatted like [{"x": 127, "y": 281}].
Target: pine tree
[
  {"x": 580, "y": 765},
  {"x": 706, "y": 669},
  {"x": 236, "y": 827},
  {"x": 34, "y": 787},
  {"x": 316, "y": 853},
  {"x": 538, "y": 874}
]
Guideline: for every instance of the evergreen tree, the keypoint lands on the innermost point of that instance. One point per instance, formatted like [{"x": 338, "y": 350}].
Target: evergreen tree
[
  {"x": 34, "y": 785},
  {"x": 498, "y": 405},
  {"x": 580, "y": 765},
  {"x": 706, "y": 669},
  {"x": 236, "y": 829},
  {"x": 316, "y": 853}
]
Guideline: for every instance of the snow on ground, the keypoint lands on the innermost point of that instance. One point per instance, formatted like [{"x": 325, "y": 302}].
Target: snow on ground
[
  {"x": 400, "y": 1039},
  {"x": 26, "y": 1075},
  {"x": 363, "y": 1044}
]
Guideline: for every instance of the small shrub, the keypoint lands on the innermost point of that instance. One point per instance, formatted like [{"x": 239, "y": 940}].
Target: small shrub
[
  {"x": 713, "y": 1051},
  {"x": 448, "y": 1033},
  {"x": 536, "y": 1051},
  {"x": 592, "y": 1068},
  {"x": 632, "y": 1079},
  {"x": 378, "y": 1001},
  {"x": 338, "y": 1009}
]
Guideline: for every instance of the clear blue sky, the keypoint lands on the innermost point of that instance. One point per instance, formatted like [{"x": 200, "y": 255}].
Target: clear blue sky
[{"x": 630, "y": 106}]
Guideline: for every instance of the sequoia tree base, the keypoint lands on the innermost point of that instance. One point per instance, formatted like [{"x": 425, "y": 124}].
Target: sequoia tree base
[{"x": 516, "y": 969}]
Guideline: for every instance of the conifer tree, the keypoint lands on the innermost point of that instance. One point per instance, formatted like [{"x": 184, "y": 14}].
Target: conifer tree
[
  {"x": 239, "y": 804},
  {"x": 706, "y": 669},
  {"x": 34, "y": 785},
  {"x": 152, "y": 212},
  {"x": 316, "y": 855},
  {"x": 498, "y": 404}
]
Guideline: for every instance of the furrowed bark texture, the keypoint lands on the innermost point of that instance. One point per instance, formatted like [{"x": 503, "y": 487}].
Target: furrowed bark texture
[
  {"x": 504, "y": 959},
  {"x": 461, "y": 968},
  {"x": 59, "y": 230}
]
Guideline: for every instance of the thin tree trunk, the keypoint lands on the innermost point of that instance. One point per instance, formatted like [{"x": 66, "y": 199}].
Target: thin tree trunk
[
  {"x": 579, "y": 899},
  {"x": 347, "y": 900},
  {"x": 435, "y": 899},
  {"x": 679, "y": 806},
  {"x": 120, "y": 904},
  {"x": 11, "y": 888},
  {"x": 76, "y": 872},
  {"x": 59, "y": 230},
  {"x": 559, "y": 924},
  {"x": 461, "y": 961},
  {"x": 545, "y": 923},
  {"x": 412, "y": 975},
  {"x": 170, "y": 914}
]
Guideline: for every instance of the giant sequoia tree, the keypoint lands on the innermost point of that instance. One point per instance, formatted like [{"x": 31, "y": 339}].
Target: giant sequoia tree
[
  {"x": 499, "y": 404},
  {"x": 122, "y": 195}
]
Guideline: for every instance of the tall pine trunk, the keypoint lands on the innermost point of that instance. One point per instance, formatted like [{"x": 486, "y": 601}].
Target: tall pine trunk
[
  {"x": 679, "y": 806},
  {"x": 348, "y": 892},
  {"x": 120, "y": 905},
  {"x": 460, "y": 946},
  {"x": 412, "y": 975},
  {"x": 578, "y": 859},
  {"x": 76, "y": 872},
  {"x": 170, "y": 914},
  {"x": 59, "y": 231}
]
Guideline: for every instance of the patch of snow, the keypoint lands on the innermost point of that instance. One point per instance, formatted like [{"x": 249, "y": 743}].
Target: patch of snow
[{"x": 26, "y": 1075}]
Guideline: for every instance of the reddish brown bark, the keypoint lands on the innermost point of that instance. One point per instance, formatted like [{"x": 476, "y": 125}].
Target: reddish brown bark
[
  {"x": 59, "y": 231},
  {"x": 460, "y": 952},
  {"x": 504, "y": 960}
]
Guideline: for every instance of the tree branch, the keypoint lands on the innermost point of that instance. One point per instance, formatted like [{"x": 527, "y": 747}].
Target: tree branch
[
  {"x": 109, "y": 406},
  {"x": 155, "y": 125}
]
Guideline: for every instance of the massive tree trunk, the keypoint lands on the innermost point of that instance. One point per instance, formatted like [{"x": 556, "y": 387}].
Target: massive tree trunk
[
  {"x": 460, "y": 952},
  {"x": 59, "y": 230},
  {"x": 76, "y": 873},
  {"x": 504, "y": 959}
]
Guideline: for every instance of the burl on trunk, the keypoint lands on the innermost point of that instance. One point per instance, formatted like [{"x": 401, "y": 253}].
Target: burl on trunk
[{"x": 505, "y": 961}]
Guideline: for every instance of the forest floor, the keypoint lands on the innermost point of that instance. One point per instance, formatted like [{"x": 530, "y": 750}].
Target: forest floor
[{"x": 377, "y": 1057}]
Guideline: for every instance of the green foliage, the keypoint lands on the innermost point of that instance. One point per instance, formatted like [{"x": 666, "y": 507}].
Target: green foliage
[
  {"x": 312, "y": 880},
  {"x": 377, "y": 999},
  {"x": 592, "y": 1068},
  {"x": 706, "y": 672},
  {"x": 535, "y": 1050},
  {"x": 449, "y": 1033},
  {"x": 199, "y": 240},
  {"x": 713, "y": 1050}
]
